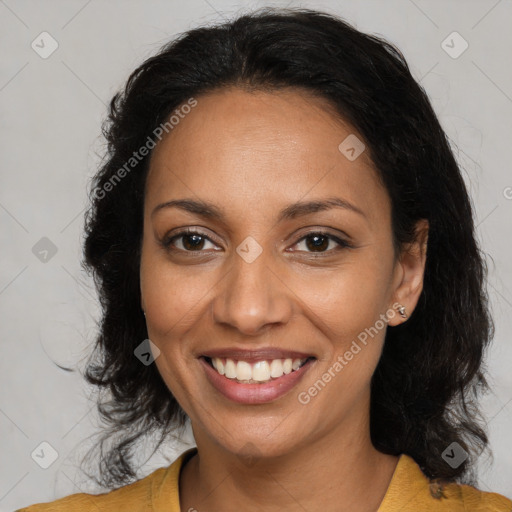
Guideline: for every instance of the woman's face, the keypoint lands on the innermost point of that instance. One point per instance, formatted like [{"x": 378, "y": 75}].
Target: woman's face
[{"x": 255, "y": 285}]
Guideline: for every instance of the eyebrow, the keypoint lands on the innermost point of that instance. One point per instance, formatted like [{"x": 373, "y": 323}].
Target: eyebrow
[{"x": 210, "y": 211}]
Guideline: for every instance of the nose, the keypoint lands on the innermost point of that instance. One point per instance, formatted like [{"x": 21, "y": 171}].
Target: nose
[{"x": 252, "y": 296}]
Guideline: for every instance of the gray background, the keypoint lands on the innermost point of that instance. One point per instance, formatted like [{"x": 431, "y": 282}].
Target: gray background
[{"x": 50, "y": 145}]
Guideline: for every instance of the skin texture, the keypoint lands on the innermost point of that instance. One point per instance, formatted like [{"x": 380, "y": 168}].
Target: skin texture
[{"x": 252, "y": 154}]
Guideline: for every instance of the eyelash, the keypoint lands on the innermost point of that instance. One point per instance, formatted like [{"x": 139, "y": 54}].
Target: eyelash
[{"x": 342, "y": 244}]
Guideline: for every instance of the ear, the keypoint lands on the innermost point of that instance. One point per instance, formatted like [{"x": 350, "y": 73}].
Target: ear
[{"x": 409, "y": 272}]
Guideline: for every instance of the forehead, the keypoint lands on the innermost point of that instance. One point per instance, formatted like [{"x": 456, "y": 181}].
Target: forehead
[{"x": 259, "y": 150}]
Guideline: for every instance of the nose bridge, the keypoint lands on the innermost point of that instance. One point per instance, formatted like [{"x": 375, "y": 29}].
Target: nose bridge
[{"x": 251, "y": 295}]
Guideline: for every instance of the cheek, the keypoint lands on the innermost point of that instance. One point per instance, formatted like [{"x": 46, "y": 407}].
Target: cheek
[
  {"x": 173, "y": 296},
  {"x": 347, "y": 301}
]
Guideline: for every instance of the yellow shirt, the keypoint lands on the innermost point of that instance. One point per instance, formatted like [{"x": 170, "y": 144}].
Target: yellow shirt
[{"x": 408, "y": 491}]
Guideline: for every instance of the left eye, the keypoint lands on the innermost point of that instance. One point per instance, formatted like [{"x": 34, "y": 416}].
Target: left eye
[{"x": 319, "y": 242}]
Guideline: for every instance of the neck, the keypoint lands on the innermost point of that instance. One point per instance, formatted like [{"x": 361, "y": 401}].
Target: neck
[{"x": 345, "y": 471}]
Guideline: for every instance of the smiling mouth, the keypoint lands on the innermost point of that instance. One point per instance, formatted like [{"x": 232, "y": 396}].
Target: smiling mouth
[{"x": 258, "y": 372}]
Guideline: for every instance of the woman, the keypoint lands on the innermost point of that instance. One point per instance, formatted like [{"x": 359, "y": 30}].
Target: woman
[{"x": 281, "y": 215}]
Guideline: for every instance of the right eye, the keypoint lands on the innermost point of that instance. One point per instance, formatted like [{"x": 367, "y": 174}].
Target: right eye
[{"x": 191, "y": 241}]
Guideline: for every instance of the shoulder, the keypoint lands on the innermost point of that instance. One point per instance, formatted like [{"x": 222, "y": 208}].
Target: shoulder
[
  {"x": 143, "y": 495},
  {"x": 475, "y": 500},
  {"x": 135, "y": 493},
  {"x": 410, "y": 487}
]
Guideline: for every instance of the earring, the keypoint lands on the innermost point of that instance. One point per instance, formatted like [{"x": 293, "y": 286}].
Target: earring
[{"x": 402, "y": 312}]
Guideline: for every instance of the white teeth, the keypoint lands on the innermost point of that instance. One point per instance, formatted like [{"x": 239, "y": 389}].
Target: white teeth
[
  {"x": 261, "y": 371},
  {"x": 220, "y": 367},
  {"x": 276, "y": 368},
  {"x": 243, "y": 371},
  {"x": 296, "y": 364},
  {"x": 230, "y": 369}
]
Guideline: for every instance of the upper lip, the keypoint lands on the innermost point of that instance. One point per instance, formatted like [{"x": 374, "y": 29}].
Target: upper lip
[{"x": 255, "y": 354}]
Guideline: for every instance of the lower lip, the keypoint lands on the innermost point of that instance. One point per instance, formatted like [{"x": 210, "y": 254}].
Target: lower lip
[{"x": 254, "y": 393}]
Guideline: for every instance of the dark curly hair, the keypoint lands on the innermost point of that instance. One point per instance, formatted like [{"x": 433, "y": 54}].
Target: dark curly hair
[{"x": 425, "y": 389}]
